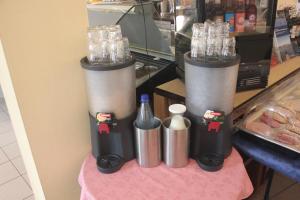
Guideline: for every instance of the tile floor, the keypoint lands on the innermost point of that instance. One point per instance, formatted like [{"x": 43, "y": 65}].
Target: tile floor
[
  {"x": 14, "y": 183},
  {"x": 282, "y": 188}
]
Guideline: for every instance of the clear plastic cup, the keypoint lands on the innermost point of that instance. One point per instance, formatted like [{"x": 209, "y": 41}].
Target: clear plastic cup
[
  {"x": 228, "y": 47},
  {"x": 120, "y": 51},
  {"x": 218, "y": 46},
  {"x": 126, "y": 48},
  {"x": 210, "y": 49},
  {"x": 104, "y": 51},
  {"x": 113, "y": 47},
  {"x": 106, "y": 44},
  {"x": 114, "y": 33}
]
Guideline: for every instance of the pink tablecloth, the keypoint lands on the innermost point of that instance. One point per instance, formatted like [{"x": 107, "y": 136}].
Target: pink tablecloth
[{"x": 163, "y": 183}]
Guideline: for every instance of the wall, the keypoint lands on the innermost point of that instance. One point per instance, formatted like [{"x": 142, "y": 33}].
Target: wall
[{"x": 43, "y": 42}]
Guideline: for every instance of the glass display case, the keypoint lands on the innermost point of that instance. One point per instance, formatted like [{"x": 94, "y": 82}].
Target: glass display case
[
  {"x": 274, "y": 116},
  {"x": 251, "y": 22},
  {"x": 149, "y": 25}
]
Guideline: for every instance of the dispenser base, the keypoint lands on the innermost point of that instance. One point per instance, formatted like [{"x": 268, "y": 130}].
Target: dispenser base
[
  {"x": 109, "y": 163},
  {"x": 210, "y": 162},
  {"x": 115, "y": 148}
]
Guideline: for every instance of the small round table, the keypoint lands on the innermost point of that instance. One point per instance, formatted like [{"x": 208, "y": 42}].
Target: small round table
[{"x": 162, "y": 183}]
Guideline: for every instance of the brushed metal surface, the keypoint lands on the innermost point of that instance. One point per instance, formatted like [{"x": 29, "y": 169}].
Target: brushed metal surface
[
  {"x": 148, "y": 145},
  {"x": 176, "y": 144}
]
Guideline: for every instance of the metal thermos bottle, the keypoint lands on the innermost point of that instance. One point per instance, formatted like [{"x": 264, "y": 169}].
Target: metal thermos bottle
[
  {"x": 148, "y": 145},
  {"x": 176, "y": 144}
]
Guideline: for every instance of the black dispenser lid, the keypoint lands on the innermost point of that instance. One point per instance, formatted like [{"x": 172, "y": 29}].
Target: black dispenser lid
[
  {"x": 106, "y": 66},
  {"x": 108, "y": 164},
  {"x": 212, "y": 62},
  {"x": 210, "y": 162}
]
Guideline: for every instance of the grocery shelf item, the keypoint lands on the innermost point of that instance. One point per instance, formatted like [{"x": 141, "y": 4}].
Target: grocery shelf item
[
  {"x": 177, "y": 123},
  {"x": 145, "y": 119},
  {"x": 275, "y": 115},
  {"x": 177, "y": 109}
]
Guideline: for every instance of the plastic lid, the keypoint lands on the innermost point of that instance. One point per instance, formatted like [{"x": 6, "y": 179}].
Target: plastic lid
[
  {"x": 210, "y": 162},
  {"x": 144, "y": 98},
  {"x": 212, "y": 62},
  {"x": 177, "y": 109},
  {"x": 108, "y": 164}
]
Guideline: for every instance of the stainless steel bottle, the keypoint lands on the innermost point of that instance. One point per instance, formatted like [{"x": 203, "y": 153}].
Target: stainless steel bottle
[
  {"x": 148, "y": 145},
  {"x": 176, "y": 144}
]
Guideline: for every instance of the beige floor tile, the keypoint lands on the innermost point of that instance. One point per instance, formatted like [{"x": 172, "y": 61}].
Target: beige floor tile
[
  {"x": 280, "y": 182},
  {"x": 7, "y": 172},
  {"x": 3, "y": 157},
  {"x": 5, "y": 126},
  {"x": 12, "y": 150},
  {"x": 19, "y": 164},
  {"x": 25, "y": 176},
  {"x": 3, "y": 116},
  {"x": 16, "y": 189},
  {"x": 30, "y": 198},
  {"x": 292, "y": 193},
  {"x": 7, "y": 138}
]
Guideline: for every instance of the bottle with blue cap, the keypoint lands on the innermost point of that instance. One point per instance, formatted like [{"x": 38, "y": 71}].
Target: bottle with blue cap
[{"x": 145, "y": 119}]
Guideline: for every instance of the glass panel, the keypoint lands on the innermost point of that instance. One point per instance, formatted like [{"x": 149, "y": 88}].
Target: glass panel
[
  {"x": 148, "y": 26},
  {"x": 245, "y": 16},
  {"x": 186, "y": 15},
  {"x": 149, "y": 29}
]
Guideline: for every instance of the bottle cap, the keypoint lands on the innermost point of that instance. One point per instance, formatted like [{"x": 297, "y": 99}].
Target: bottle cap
[
  {"x": 177, "y": 109},
  {"x": 144, "y": 98}
]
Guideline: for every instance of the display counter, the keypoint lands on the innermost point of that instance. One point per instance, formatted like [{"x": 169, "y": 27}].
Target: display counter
[{"x": 174, "y": 91}]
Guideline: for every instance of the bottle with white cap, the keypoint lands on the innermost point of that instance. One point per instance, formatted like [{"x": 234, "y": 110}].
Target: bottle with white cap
[{"x": 177, "y": 121}]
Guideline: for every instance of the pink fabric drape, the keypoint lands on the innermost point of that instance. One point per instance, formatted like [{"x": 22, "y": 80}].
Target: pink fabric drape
[{"x": 163, "y": 183}]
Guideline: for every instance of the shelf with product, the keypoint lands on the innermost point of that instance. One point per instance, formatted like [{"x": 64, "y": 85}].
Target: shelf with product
[
  {"x": 251, "y": 23},
  {"x": 244, "y": 16}
]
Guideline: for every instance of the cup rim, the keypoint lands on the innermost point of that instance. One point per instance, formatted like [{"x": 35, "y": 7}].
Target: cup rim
[{"x": 156, "y": 118}]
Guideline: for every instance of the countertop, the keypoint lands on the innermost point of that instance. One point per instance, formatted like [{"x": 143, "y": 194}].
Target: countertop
[{"x": 176, "y": 87}]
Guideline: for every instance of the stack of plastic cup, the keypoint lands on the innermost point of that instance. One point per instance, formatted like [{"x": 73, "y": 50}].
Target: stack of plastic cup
[
  {"x": 212, "y": 40},
  {"x": 106, "y": 45}
]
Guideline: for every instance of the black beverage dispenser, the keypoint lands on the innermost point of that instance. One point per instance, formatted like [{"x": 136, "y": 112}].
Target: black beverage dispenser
[
  {"x": 210, "y": 89},
  {"x": 111, "y": 93}
]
